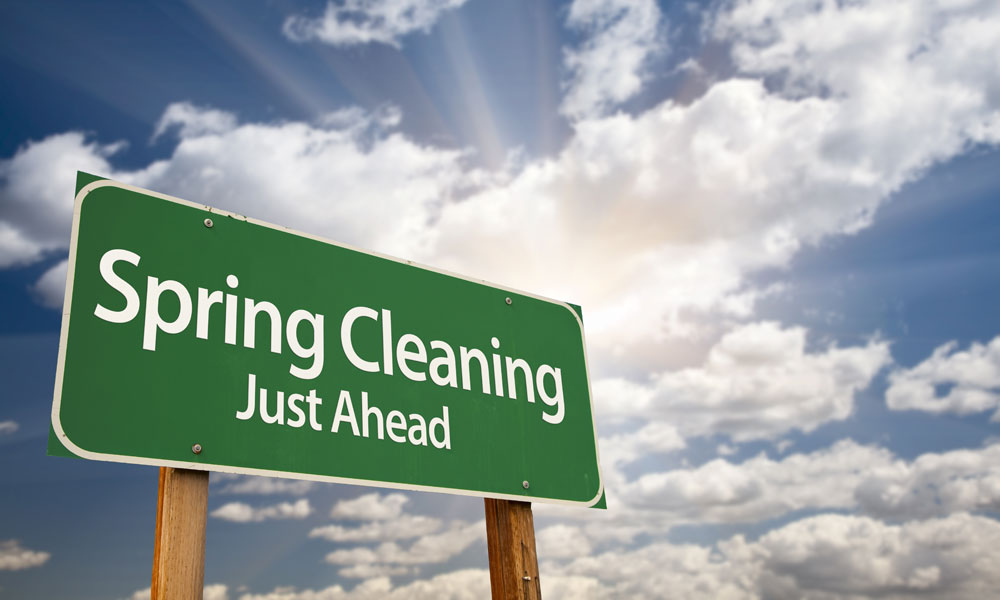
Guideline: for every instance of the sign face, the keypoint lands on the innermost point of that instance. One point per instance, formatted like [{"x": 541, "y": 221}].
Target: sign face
[{"x": 201, "y": 339}]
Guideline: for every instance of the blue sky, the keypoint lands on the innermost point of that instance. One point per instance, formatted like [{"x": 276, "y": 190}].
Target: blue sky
[{"x": 780, "y": 219}]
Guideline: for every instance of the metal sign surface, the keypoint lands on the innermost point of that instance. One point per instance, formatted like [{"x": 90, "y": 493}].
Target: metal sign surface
[{"x": 201, "y": 339}]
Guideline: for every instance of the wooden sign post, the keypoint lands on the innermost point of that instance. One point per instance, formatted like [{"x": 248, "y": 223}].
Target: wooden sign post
[
  {"x": 179, "y": 550},
  {"x": 510, "y": 540}
]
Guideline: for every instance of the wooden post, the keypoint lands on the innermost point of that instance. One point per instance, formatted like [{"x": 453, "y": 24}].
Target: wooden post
[
  {"x": 179, "y": 550},
  {"x": 510, "y": 539}
]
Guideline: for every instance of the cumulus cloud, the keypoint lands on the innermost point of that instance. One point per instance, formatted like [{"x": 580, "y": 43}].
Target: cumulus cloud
[
  {"x": 215, "y": 591},
  {"x": 346, "y": 177},
  {"x": 725, "y": 450},
  {"x": 8, "y": 427},
  {"x": 370, "y": 507},
  {"x": 828, "y": 557},
  {"x": 934, "y": 484},
  {"x": 397, "y": 528},
  {"x": 466, "y": 584},
  {"x": 972, "y": 376},
  {"x": 824, "y": 557},
  {"x": 386, "y": 523},
  {"x": 758, "y": 488},
  {"x": 343, "y": 177},
  {"x": 609, "y": 66},
  {"x": 353, "y": 22},
  {"x": 372, "y": 571},
  {"x": 36, "y": 194},
  {"x": 561, "y": 541},
  {"x": 921, "y": 50},
  {"x": 50, "y": 289},
  {"x": 847, "y": 556},
  {"x": 244, "y": 513},
  {"x": 435, "y": 548},
  {"x": 656, "y": 437},
  {"x": 250, "y": 484},
  {"x": 686, "y": 570},
  {"x": 847, "y": 476},
  {"x": 678, "y": 204},
  {"x": 758, "y": 381},
  {"x": 14, "y": 557},
  {"x": 194, "y": 121}
]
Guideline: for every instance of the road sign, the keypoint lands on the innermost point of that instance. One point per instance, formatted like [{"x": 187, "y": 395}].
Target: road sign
[{"x": 200, "y": 339}]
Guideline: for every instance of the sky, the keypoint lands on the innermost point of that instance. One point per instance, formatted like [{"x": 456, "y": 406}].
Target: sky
[{"x": 779, "y": 217}]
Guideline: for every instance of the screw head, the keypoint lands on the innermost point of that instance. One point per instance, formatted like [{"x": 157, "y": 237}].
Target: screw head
[
  {"x": 509, "y": 300},
  {"x": 196, "y": 448},
  {"x": 525, "y": 484},
  {"x": 209, "y": 223}
]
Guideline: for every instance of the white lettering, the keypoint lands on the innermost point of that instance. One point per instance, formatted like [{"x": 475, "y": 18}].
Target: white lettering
[
  {"x": 345, "y": 337},
  {"x": 120, "y": 285},
  {"x": 154, "y": 321},
  {"x": 445, "y": 441},
  {"x": 315, "y": 351},
  {"x": 556, "y": 399},
  {"x": 403, "y": 356},
  {"x": 345, "y": 413}
]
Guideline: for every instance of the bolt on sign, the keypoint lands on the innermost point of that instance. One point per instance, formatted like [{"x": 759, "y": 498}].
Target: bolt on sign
[{"x": 201, "y": 339}]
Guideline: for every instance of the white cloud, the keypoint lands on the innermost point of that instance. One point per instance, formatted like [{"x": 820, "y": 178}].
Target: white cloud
[
  {"x": 646, "y": 193},
  {"x": 353, "y": 22},
  {"x": 687, "y": 571},
  {"x": 50, "y": 289},
  {"x": 758, "y": 381},
  {"x": 824, "y": 557},
  {"x": 934, "y": 484},
  {"x": 370, "y": 571},
  {"x": 435, "y": 548},
  {"x": 346, "y": 177},
  {"x": 215, "y": 591},
  {"x": 250, "y": 484},
  {"x": 845, "y": 556},
  {"x": 846, "y": 477},
  {"x": 759, "y": 488},
  {"x": 725, "y": 450},
  {"x": 194, "y": 121},
  {"x": 400, "y": 527},
  {"x": 386, "y": 523},
  {"x": 467, "y": 584},
  {"x": 619, "y": 450},
  {"x": 679, "y": 204},
  {"x": 655, "y": 437},
  {"x": 14, "y": 557},
  {"x": 973, "y": 376},
  {"x": 610, "y": 65},
  {"x": 8, "y": 427},
  {"x": 370, "y": 507},
  {"x": 244, "y": 513},
  {"x": 892, "y": 65},
  {"x": 561, "y": 541},
  {"x": 36, "y": 194}
]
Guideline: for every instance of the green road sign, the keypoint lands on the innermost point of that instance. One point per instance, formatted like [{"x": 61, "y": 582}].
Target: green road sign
[{"x": 201, "y": 339}]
